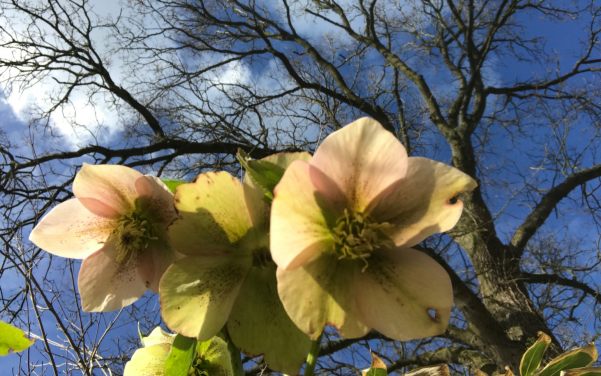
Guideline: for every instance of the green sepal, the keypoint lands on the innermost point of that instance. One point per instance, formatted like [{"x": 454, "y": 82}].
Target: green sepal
[
  {"x": 181, "y": 357},
  {"x": 377, "y": 368},
  {"x": 172, "y": 184},
  {"x": 12, "y": 339},
  {"x": 532, "y": 358},
  {"x": 577, "y": 358},
  {"x": 266, "y": 175}
]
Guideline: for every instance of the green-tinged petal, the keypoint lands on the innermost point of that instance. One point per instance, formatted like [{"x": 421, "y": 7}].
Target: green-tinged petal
[
  {"x": 213, "y": 214},
  {"x": 106, "y": 190},
  {"x": 299, "y": 219},
  {"x": 440, "y": 370},
  {"x": 577, "y": 358},
  {"x": 158, "y": 337},
  {"x": 585, "y": 371},
  {"x": 322, "y": 293},
  {"x": 148, "y": 361},
  {"x": 12, "y": 339},
  {"x": 404, "y": 294},
  {"x": 363, "y": 158},
  {"x": 258, "y": 324},
  {"x": 214, "y": 357},
  {"x": 534, "y": 355},
  {"x": 197, "y": 293},
  {"x": 423, "y": 203}
]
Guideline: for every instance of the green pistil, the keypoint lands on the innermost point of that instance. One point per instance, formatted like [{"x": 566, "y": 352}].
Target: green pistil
[
  {"x": 133, "y": 234},
  {"x": 356, "y": 236}
]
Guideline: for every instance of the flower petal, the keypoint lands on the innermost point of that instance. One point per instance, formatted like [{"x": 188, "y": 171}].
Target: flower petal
[
  {"x": 106, "y": 190},
  {"x": 299, "y": 219},
  {"x": 404, "y": 294},
  {"x": 156, "y": 198},
  {"x": 214, "y": 214},
  {"x": 71, "y": 230},
  {"x": 197, "y": 293},
  {"x": 363, "y": 158},
  {"x": 321, "y": 293},
  {"x": 421, "y": 204},
  {"x": 148, "y": 361},
  {"x": 152, "y": 263},
  {"x": 258, "y": 324},
  {"x": 105, "y": 285}
]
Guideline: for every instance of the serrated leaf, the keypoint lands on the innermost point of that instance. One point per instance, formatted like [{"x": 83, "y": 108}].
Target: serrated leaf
[
  {"x": 172, "y": 184},
  {"x": 585, "y": 371},
  {"x": 577, "y": 358},
  {"x": 532, "y": 358},
  {"x": 181, "y": 356},
  {"x": 12, "y": 339},
  {"x": 377, "y": 368}
]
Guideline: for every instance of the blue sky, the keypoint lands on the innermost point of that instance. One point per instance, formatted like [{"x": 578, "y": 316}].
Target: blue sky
[{"x": 13, "y": 119}]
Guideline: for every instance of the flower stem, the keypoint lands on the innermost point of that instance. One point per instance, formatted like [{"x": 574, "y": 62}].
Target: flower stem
[{"x": 312, "y": 357}]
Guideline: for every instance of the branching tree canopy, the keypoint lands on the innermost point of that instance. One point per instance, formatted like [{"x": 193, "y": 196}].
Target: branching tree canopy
[{"x": 508, "y": 91}]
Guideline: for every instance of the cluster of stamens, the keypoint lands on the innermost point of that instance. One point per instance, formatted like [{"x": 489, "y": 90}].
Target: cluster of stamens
[
  {"x": 356, "y": 236},
  {"x": 133, "y": 234}
]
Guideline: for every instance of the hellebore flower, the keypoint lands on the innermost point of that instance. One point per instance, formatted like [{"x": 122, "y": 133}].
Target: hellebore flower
[
  {"x": 212, "y": 357},
  {"x": 117, "y": 223},
  {"x": 342, "y": 225},
  {"x": 228, "y": 277}
]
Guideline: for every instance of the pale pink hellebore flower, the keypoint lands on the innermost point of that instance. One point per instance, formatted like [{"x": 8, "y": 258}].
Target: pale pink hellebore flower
[
  {"x": 117, "y": 223},
  {"x": 342, "y": 225}
]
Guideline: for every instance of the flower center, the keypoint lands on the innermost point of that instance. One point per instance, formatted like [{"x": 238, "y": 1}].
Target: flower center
[
  {"x": 133, "y": 234},
  {"x": 356, "y": 236}
]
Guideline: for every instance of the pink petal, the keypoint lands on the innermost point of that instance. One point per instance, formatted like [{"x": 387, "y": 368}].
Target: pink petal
[
  {"x": 71, "y": 230},
  {"x": 105, "y": 285},
  {"x": 363, "y": 159},
  {"x": 299, "y": 219},
  {"x": 424, "y": 202},
  {"x": 113, "y": 186},
  {"x": 157, "y": 197},
  {"x": 404, "y": 294},
  {"x": 153, "y": 262}
]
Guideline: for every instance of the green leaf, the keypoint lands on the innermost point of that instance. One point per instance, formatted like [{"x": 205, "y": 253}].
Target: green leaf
[
  {"x": 12, "y": 339},
  {"x": 172, "y": 184},
  {"x": 533, "y": 356},
  {"x": 377, "y": 368},
  {"x": 585, "y": 371},
  {"x": 181, "y": 356},
  {"x": 577, "y": 358},
  {"x": 266, "y": 175}
]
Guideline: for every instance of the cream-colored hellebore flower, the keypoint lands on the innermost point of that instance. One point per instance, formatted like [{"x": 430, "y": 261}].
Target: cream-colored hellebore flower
[
  {"x": 117, "y": 223},
  {"x": 227, "y": 277},
  {"x": 342, "y": 225},
  {"x": 212, "y": 357}
]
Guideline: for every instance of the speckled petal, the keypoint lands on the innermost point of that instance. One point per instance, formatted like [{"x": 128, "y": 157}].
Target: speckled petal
[
  {"x": 421, "y": 204},
  {"x": 71, "y": 230},
  {"x": 156, "y": 198},
  {"x": 363, "y": 159},
  {"x": 322, "y": 293},
  {"x": 105, "y": 285},
  {"x": 404, "y": 294},
  {"x": 152, "y": 263},
  {"x": 106, "y": 190},
  {"x": 299, "y": 219},
  {"x": 197, "y": 293},
  {"x": 213, "y": 212},
  {"x": 258, "y": 324}
]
